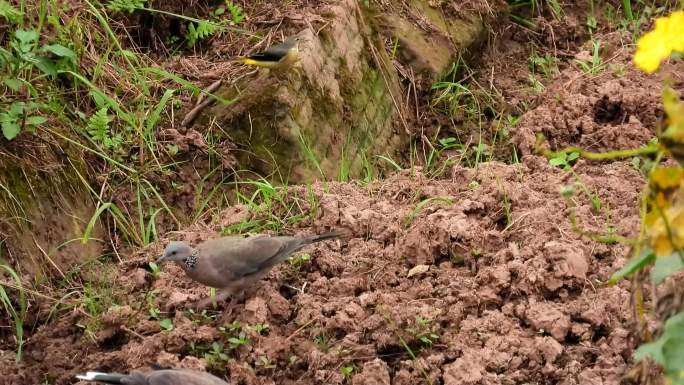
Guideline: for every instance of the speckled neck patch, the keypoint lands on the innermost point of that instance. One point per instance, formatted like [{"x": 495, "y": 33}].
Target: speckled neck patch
[{"x": 191, "y": 261}]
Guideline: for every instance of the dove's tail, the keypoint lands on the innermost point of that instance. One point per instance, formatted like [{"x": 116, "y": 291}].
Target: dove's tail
[{"x": 322, "y": 237}]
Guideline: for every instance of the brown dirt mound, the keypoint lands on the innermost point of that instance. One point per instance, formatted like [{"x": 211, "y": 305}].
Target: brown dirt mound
[
  {"x": 506, "y": 299},
  {"x": 619, "y": 107}
]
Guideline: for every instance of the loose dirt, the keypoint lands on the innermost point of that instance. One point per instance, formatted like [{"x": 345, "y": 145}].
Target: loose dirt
[{"x": 511, "y": 294}]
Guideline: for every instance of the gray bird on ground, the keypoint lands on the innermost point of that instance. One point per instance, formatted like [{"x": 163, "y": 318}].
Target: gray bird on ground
[
  {"x": 233, "y": 263},
  {"x": 155, "y": 377}
]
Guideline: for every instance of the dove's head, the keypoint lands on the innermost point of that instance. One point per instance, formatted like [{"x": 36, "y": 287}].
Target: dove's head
[{"x": 176, "y": 251}]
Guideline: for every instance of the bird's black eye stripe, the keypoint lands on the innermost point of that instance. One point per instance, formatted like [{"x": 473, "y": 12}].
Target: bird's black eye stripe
[{"x": 173, "y": 252}]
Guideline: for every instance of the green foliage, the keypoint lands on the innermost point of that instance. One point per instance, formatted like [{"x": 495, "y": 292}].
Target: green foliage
[
  {"x": 166, "y": 324},
  {"x": 299, "y": 260},
  {"x": 594, "y": 64},
  {"x": 668, "y": 350},
  {"x": 151, "y": 299},
  {"x": 264, "y": 363},
  {"x": 24, "y": 55},
  {"x": 347, "y": 371},
  {"x": 201, "y": 318},
  {"x": 97, "y": 298},
  {"x": 235, "y": 12},
  {"x": 214, "y": 354},
  {"x": 235, "y": 334},
  {"x": 424, "y": 331},
  {"x": 523, "y": 10},
  {"x": 239, "y": 340},
  {"x": 15, "y": 307},
  {"x": 273, "y": 207},
  {"x": 9, "y": 13},
  {"x": 666, "y": 265},
  {"x": 451, "y": 96},
  {"x": 408, "y": 220},
  {"x": 564, "y": 160},
  {"x": 155, "y": 269},
  {"x": 261, "y": 328},
  {"x": 125, "y": 5},
  {"x": 322, "y": 342},
  {"x": 18, "y": 116},
  {"x": 16, "y": 71},
  {"x": 546, "y": 65},
  {"x": 200, "y": 31},
  {"x": 99, "y": 131}
]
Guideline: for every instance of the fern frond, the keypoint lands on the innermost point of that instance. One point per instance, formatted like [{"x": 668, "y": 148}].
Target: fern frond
[
  {"x": 98, "y": 127},
  {"x": 203, "y": 30},
  {"x": 235, "y": 12},
  {"x": 125, "y": 5}
]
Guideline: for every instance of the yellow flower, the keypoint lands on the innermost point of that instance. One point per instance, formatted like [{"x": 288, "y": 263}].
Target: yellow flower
[{"x": 658, "y": 44}]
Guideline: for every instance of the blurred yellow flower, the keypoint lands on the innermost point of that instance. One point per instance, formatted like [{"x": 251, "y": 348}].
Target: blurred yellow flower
[{"x": 658, "y": 44}]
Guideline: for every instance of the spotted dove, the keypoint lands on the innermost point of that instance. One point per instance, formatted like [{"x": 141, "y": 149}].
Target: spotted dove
[{"x": 233, "y": 263}]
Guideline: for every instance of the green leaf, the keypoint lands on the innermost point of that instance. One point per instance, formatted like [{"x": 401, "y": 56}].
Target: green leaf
[
  {"x": 235, "y": 12},
  {"x": 633, "y": 265},
  {"x": 202, "y": 30},
  {"x": 10, "y": 130},
  {"x": 99, "y": 100},
  {"x": 13, "y": 84},
  {"x": 673, "y": 352},
  {"x": 26, "y": 39},
  {"x": 125, "y": 5},
  {"x": 654, "y": 350},
  {"x": 156, "y": 113},
  {"x": 47, "y": 66},
  {"x": 666, "y": 266},
  {"x": 17, "y": 110},
  {"x": 166, "y": 324},
  {"x": 35, "y": 120},
  {"x": 129, "y": 54},
  {"x": 60, "y": 51},
  {"x": 572, "y": 156},
  {"x": 675, "y": 324},
  {"x": 558, "y": 161},
  {"x": 10, "y": 13}
]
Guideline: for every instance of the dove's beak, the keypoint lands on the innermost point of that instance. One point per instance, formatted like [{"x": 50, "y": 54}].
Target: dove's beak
[{"x": 161, "y": 259}]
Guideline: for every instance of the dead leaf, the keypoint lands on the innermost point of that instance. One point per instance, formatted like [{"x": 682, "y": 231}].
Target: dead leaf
[{"x": 418, "y": 269}]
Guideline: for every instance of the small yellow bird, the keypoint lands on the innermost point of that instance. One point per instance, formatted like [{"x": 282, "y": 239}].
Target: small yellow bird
[{"x": 275, "y": 57}]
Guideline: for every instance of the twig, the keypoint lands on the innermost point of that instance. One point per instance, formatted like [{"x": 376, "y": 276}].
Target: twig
[
  {"x": 301, "y": 328},
  {"x": 202, "y": 103},
  {"x": 127, "y": 330},
  {"x": 213, "y": 87},
  {"x": 48, "y": 258},
  {"x": 190, "y": 116}
]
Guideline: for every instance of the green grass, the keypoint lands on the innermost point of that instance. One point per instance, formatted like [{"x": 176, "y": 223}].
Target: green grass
[
  {"x": 523, "y": 11},
  {"x": 112, "y": 111},
  {"x": 408, "y": 220},
  {"x": 273, "y": 207},
  {"x": 594, "y": 65},
  {"x": 14, "y": 306}
]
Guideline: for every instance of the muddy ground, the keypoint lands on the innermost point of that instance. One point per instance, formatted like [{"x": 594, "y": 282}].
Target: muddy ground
[{"x": 476, "y": 277}]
